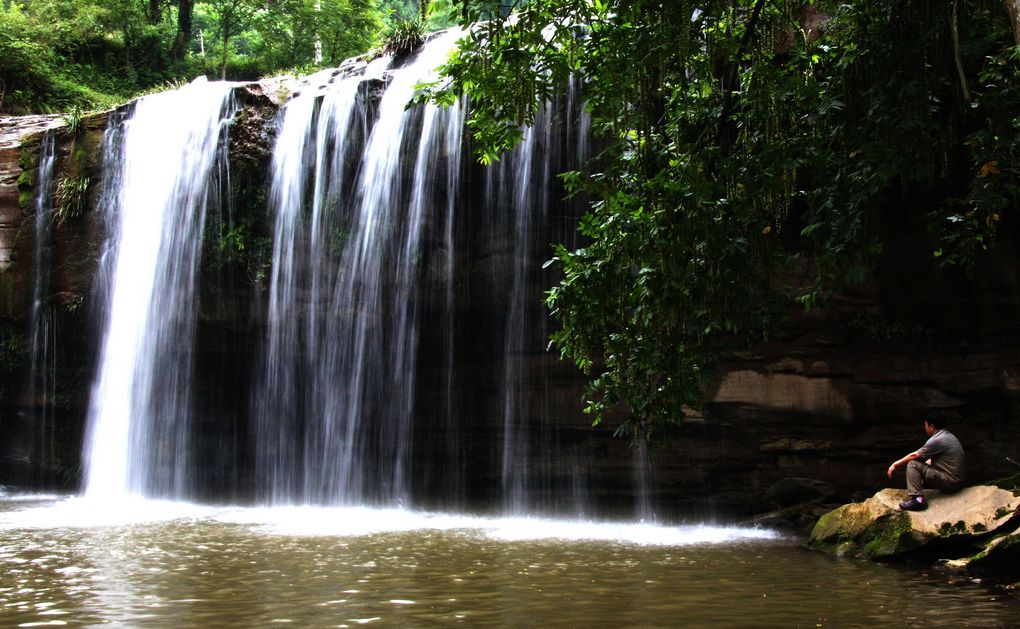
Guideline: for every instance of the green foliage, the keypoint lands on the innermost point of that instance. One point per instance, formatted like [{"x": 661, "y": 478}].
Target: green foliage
[
  {"x": 28, "y": 162},
  {"x": 404, "y": 37},
  {"x": 238, "y": 240},
  {"x": 263, "y": 38},
  {"x": 241, "y": 248},
  {"x": 347, "y": 28},
  {"x": 73, "y": 120},
  {"x": 56, "y": 55},
  {"x": 71, "y": 197},
  {"x": 742, "y": 137},
  {"x": 25, "y": 62},
  {"x": 433, "y": 14},
  {"x": 994, "y": 156}
]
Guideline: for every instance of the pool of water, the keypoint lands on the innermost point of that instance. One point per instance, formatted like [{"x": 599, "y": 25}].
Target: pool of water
[{"x": 69, "y": 562}]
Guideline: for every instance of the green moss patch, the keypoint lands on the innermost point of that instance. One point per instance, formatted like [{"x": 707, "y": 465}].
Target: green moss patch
[
  {"x": 890, "y": 535},
  {"x": 849, "y": 531},
  {"x": 28, "y": 161},
  {"x": 948, "y": 529}
]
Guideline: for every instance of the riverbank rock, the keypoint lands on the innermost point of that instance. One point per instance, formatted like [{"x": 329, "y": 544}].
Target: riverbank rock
[{"x": 955, "y": 523}]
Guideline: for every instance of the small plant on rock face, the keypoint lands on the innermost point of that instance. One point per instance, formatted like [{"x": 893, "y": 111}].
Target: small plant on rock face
[
  {"x": 72, "y": 197},
  {"x": 73, "y": 119},
  {"x": 405, "y": 37}
]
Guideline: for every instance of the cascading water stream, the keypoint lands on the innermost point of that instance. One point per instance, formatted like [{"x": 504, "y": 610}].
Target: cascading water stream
[
  {"x": 42, "y": 372},
  {"x": 159, "y": 169},
  {"x": 368, "y": 197},
  {"x": 313, "y": 129},
  {"x": 404, "y": 325},
  {"x": 515, "y": 458},
  {"x": 455, "y": 462},
  {"x": 346, "y": 369},
  {"x": 522, "y": 189}
]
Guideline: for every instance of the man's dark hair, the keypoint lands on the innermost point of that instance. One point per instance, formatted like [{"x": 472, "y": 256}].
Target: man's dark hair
[{"x": 936, "y": 418}]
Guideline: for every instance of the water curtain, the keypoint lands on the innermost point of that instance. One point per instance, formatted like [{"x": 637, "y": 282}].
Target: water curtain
[
  {"x": 161, "y": 162},
  {"x": 403, "y": 360}
]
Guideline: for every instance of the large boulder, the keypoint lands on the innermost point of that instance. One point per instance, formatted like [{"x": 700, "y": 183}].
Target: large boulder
[{"x": 878, "y": 529}]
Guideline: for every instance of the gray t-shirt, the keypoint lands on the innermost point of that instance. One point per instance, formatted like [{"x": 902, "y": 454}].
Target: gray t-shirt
[{"x": 946, "y": 454}]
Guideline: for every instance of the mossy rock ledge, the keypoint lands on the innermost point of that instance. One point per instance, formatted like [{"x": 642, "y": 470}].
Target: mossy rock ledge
[{"x": 965, "y": 525}]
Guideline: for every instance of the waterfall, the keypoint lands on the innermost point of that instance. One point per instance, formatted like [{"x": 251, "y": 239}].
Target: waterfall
[
  {"x": 159, "y": 166},
  {"x": 454, "y": 464},
  {"x": 43, "y": 332},
  {"x": 344, "y": 313},
  {"x": 522, "y": 194},
  {"x": 374, "y": 225},
  {"x": 403, "y": 356},
  {"x": 515, "y": 470},
  {"x": 313, "y": 130}
]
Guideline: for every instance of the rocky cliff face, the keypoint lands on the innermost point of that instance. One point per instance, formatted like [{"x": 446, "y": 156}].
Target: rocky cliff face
[
  {"x": 17, "y": 135},
  {"x": 833, "y": 400},
  {"x": 41, "y": 431}
]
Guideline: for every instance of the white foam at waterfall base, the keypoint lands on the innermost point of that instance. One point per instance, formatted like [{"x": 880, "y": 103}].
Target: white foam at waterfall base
[
  {"x": 95, "y": 512},
  {"x": 310, "y": 521}
]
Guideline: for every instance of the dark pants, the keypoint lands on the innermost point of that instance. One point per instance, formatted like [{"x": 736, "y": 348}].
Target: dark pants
[{"x": 920, "y": 475}]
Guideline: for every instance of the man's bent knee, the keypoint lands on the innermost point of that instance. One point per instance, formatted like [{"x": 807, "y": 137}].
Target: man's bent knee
[{"x": 915, "y": 477}]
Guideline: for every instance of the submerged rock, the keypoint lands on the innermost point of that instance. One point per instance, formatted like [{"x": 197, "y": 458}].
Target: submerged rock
[{"x": 878, "y": 529}]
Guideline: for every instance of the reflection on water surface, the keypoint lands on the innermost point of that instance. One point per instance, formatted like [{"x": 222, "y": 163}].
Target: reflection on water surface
[{"x": 72, "y": 563}]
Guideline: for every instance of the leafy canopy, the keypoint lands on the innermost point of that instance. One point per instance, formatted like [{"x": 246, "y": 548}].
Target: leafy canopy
[
  {"x": 746, "y": 142},
  {"x": 61, "y": 54}
]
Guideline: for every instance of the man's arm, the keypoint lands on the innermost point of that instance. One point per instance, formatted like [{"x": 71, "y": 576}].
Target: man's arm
[{"x": 907, "y": 459}]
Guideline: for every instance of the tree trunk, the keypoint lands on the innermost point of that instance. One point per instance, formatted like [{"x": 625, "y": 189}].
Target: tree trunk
[
  {"x": 318, "y": 38},
  {"x": 957, "y": 55},
  {"x": 226, "y": 50},
  {"x": 155, "y": 12},
  {"x": 183, "y": 38},
  {"x": 1013, "y": 8}
]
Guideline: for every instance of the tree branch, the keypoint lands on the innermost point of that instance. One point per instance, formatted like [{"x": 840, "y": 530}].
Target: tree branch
[
  {"x": 1013, "y": 9},
  {"x": 730, "y": 80},
  {"x": 956, "y": 52}
]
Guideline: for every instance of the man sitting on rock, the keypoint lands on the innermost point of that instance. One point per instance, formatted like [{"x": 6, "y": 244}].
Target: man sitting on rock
[{"x": 942, "y": 468}]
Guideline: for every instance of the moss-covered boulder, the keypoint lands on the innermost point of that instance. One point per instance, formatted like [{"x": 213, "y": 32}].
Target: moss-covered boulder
[{"x": 878, "y": 529}]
